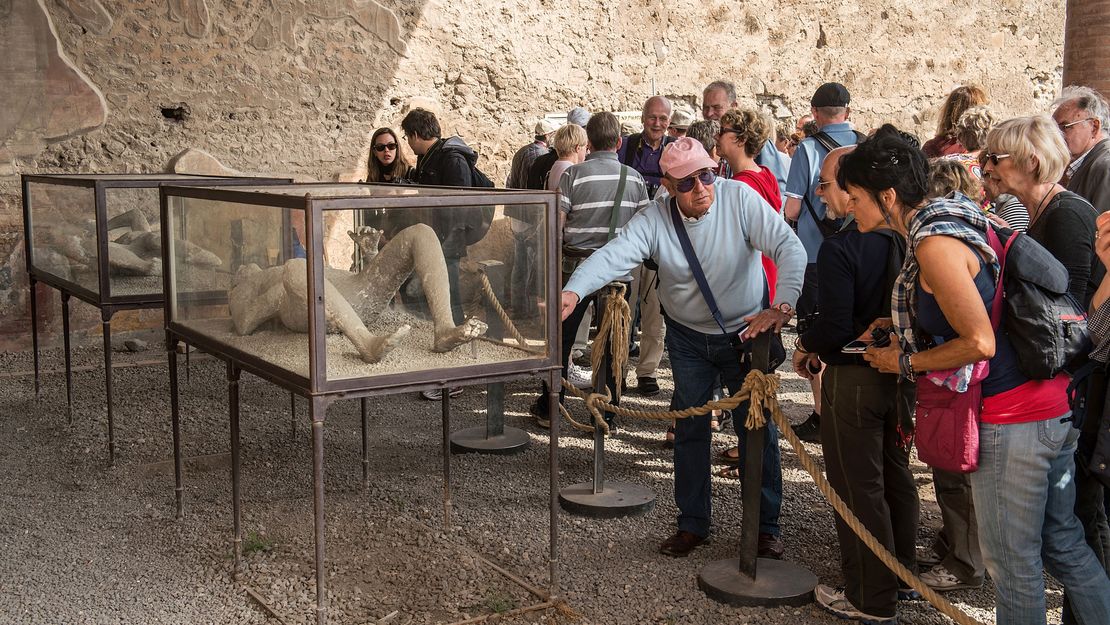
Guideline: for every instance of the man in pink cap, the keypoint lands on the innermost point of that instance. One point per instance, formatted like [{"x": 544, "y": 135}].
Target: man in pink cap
[{"x": 727, "y": 226}]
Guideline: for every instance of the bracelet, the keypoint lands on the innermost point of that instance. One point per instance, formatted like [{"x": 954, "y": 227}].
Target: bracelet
[
  {"x": 798, "y": 345},
  {"x": 905, "y": 367}
]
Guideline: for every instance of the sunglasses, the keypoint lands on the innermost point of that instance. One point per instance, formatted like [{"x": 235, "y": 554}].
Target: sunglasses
[
  {"x": 382, "y": 147},
  {"x": 686, "y": 185},
  {"x": 993, "y": 158}
]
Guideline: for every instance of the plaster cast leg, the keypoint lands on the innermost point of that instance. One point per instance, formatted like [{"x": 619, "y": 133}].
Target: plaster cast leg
[
  {"x": 124, "y": 262},
  {"x": 416, "y": 249},
  {"x": 339, "y": 313},
  {"x": 133, "y": 219},
  {"x": 256, "y": 296}
]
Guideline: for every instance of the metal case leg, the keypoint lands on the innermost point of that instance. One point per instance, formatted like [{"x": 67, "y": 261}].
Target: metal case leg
[
  {"x": 317, "y": 407},
  {"x": 175, "y": 419},
  {"x": 106, "y": 329},
  {"x": 68, "y": 357},
  {"x": 236, "y": 501},
  {"x": 35, "y": 331}
]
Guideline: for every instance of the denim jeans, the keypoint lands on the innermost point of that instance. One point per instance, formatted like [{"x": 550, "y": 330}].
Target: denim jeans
[
  {"x": 698, "y": 360},
  {"x": 1024, "y": 493}
]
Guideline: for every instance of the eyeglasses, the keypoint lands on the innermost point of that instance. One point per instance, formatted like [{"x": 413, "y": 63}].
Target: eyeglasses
[
  {"x": 382, "y": 147},
  {"x": 821, "y": 183},
  {"x": 1064, "y": 127},
  {"x": 993, "y": 158},
  {"x": 725, "y": 130},
  {"x": 686, "y": 184}
]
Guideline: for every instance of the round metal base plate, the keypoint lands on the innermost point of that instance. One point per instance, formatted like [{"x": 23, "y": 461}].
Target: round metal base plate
[
  {"x": 619, "y": 499},
  {"x": 473, "y": 440},
  {"x": 776, "y": 583}
]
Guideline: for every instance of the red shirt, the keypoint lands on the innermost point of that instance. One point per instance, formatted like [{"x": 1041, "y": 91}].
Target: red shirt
[
  {"x": 1036, "y": 400},
  {"x": 942, "y": 146},
  {"x": 767, "y": 186}
]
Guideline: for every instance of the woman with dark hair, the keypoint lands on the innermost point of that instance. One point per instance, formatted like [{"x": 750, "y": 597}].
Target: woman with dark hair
[
  {"x": 865, "y": 414},
  {"x": 1023, "y": 490},
  {"x": 386, "y": 163},
  {"x": 958, "y": 101}
]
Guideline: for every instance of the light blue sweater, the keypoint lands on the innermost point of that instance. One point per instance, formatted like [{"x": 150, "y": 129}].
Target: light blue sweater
[{"x": 727, "y": 240}]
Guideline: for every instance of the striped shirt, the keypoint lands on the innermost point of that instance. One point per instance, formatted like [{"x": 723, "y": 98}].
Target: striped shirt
[{"x": 587, "y": 193}]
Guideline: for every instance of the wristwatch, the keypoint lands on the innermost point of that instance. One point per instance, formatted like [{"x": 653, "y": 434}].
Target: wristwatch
[{"x": 785, "y": 309}]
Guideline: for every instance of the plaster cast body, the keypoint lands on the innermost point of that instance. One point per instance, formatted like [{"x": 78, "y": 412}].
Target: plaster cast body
[{"x": 353, "y": 299}]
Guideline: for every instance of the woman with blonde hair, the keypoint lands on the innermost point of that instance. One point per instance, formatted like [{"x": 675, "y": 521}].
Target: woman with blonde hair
[
  {"x": 1023, "y": 490},
  {"x": 387, "y": 163},
  {"x": 958, "y": 101},
  {"x": 1025, "y": 157}
]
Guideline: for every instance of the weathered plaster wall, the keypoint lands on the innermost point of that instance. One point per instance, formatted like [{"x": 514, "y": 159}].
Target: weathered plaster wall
[{"x": 296, "y": 86}]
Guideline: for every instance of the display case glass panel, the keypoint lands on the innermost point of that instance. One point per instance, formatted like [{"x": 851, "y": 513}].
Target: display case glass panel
[
  {"x": 63, "y": 233},
  {"x": 99, "y": 235},
  {"x": 441, "y": 279}
]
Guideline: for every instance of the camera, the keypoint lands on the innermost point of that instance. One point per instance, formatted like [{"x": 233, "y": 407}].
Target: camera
[{"x": 880, "y": 337}]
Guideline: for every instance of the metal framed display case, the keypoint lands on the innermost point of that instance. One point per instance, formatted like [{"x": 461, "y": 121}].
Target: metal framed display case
[
  {"x": 414, "y": 303},
  {"x": 96, "y": 237}
]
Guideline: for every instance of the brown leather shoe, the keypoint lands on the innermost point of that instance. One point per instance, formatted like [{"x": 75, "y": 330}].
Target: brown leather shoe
[
  {"x": 681, "y": 544},
  {"x": 769, "y": 546}
]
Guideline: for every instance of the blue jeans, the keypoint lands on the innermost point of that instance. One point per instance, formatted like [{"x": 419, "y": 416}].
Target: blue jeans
[
  {"x": 1024, "y": 493},
  {"x": 697, "y": 361}
]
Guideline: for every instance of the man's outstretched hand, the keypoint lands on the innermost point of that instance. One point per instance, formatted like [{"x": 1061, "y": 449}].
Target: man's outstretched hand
[{"x": 569, "y": 301}]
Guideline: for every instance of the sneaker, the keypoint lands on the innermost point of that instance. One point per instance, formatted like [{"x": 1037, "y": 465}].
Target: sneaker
[
  {"x": 810, "y": 429},
  {"x": 436, "y": 394},
  {"x": 580, "y": 377},
  {"x": 909, "y": 594},
  {"x": 941, "y": 579},
  {"x": 833, "y": 600}
]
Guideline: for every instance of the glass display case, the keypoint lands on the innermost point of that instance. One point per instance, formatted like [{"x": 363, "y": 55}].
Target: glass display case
[
  {"x": 98, "y": 237},
  {"x": 296, "y": 284}
]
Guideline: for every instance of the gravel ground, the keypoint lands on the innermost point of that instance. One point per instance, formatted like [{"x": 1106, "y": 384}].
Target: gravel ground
[{"x": 81, "y": 542}]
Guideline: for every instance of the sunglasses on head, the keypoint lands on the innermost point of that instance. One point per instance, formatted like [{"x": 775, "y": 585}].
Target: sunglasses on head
[
  {"x": 685, "y": 185},
  {"x": 382, "y": 147},
  {"x": 993, "y": 158}
]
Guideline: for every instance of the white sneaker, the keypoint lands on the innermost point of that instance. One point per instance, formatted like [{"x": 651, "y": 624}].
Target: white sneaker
[
  {"x": 833, "y": 600},
  {"x": 941, "y": 579},
  {"x": 579, "y": 377}
]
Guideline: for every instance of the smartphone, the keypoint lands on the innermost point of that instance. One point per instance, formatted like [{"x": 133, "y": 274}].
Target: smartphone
[{"x": 855, "y": 347}]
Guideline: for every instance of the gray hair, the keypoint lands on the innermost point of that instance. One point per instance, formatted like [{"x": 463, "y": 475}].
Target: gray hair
[
  {"x": 723, "y": 85},
  {"x": 706, "y": 132},
  {"x": 578, "y": 115},
  {"x": 973, "y": 125},
  {"x": 1088, "y": 100}
]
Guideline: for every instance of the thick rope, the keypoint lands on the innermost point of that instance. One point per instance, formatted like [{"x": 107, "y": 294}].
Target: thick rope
[
  {"x": 491, "y": 297},
  {"x": 613, "y": 335},
  {"x": 762, "y": 390}
]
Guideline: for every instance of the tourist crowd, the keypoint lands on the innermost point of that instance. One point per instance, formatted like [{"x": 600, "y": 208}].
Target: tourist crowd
[{"x": 880, "y": 249}]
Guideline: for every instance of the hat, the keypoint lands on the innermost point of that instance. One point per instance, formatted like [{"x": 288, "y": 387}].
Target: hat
[
  {"x": 578, "y": 115},
  {"x": 545, "y": 127},
  {"x": 682, "y": 118},
  {"x": 684, "y": 157},
  {"x": 830, "y": 94}
]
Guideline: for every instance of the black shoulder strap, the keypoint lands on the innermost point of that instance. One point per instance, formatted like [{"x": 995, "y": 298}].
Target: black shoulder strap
[
  {"x": 826, "y": 141},
  {"x": 695, "y": 266},
  {"x": 631, "y": 147},
  {"x": 823, "y": 225}
]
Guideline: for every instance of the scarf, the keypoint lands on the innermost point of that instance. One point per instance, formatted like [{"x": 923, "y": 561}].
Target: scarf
[{"x": 954, "y": 216}]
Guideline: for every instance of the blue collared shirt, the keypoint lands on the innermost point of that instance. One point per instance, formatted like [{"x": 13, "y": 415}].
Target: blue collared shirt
[{"x": 805, "y": 170}]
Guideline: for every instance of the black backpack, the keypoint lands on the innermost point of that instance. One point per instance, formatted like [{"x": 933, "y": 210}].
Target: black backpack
[
  {"x": 1045, "y": 324},
  {"x": 827, "y": 227}
]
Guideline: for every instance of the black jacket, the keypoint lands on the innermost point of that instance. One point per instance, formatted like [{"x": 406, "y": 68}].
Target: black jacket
[{"x": 448, "y": 163}]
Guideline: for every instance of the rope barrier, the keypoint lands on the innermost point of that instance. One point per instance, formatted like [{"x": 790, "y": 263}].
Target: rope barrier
[
  {"x": 491, "y": 297},
  {"x": 758, "y": 387}
]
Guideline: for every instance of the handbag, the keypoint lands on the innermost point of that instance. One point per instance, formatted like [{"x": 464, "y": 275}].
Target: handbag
[
  {"x": 777, "y": 352},
  {"x": 946, "y": 421},
  {"x": 946, "y": 428}
]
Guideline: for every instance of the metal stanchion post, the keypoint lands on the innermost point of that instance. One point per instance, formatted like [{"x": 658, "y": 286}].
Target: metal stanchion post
[
  {"x": 749, "y": 580},
  {"x": 599, "y": 498},
  {"x": 68, "y": 357},
  {"x": 494, "y": 437}
]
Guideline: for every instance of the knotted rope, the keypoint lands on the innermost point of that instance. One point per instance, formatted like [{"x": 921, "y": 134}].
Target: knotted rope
[{"x": 760, "y": 389}]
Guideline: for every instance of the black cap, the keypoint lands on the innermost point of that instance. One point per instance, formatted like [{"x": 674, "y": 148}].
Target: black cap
[{"x": 830, "y": 94}]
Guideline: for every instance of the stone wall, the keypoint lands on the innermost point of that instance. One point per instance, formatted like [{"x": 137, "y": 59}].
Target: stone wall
[{"x": 297, "y": 86}]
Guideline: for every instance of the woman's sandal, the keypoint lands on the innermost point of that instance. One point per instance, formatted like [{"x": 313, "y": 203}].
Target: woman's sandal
[
  {"x": 727, "y": 457},
  {"x": 732, "y": 473},
  {"x": 718, "y": 422}
]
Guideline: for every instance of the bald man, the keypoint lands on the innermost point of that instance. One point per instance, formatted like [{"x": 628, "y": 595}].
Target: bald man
[{"x": 641, "y": 151}]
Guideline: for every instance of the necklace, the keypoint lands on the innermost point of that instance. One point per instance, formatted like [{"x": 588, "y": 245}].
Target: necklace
[{"x": 1039, "y": 210}]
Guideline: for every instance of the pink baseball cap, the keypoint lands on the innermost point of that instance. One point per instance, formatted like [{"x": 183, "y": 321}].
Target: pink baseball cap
[{"x": 684, "y": 157}]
